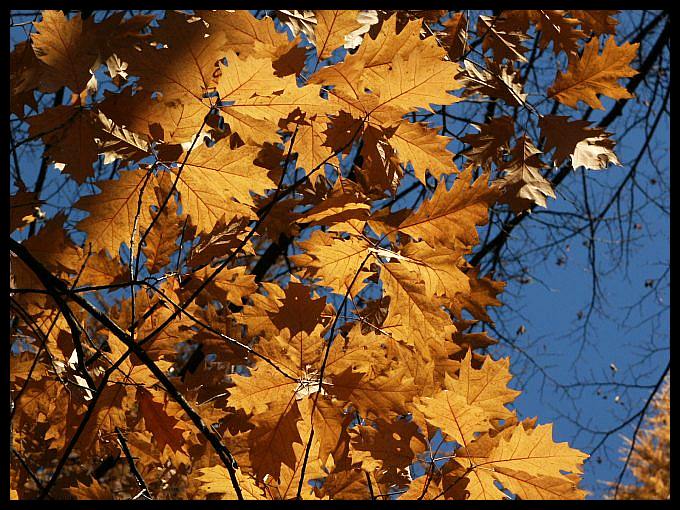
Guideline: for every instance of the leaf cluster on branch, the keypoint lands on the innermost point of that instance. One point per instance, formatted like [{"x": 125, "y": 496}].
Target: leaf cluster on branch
[{"x": 249, "y": 313}]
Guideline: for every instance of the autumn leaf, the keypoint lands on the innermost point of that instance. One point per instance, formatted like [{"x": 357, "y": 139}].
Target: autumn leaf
[
  {"x": 421, "y": 146},
  {"x": 331, "y": 29},
  {"x": 216, "y": 183},
  {"x": 598, "y": 21},
  {"x": 493, "y": 138},
  {"x": 216, "y": 480},
  {"x": 594, "y": 73},
  {"x": 66, "y": 49},
  {"x": 588, "y": 147},
  {"x": 338, "y": 262},
  {"x": 454, "y": 414},
  {"x": 532, "y": 451},
  {"x": 451, "y": 216},
  {"x": 69, "y": 132},
  {"x": 414, "y": 317},
  {"x": 506, "y": 44},
  {"x": 162, "y": 426},
  {"x": 523, "y": 183},
  {"x": 483, "y": 292},
  {"x": 115, "y": 214}
]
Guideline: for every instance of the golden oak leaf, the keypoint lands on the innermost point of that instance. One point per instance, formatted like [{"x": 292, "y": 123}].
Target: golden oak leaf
[
  {"x": 264, "y": 388},
  {"x": 257, "y": 317},
  {"x": 588, "y": 147},
  {"x": 340, "y": 208},
  {"x": 68, "y": 132},
  {"x": 216, "y": 184},
  {"x": 257, "y": 98},
  {"x": 161, "y": 242},
  {"x": 555, "y": 27},
  {"x": 346, "y": 484},
  {"x": 483, "y": 292},
  {"x": 420, "y": 145},
  {"x": 495, "y": 80},
  {"x": 47, "y": 401},
  {"x": 594, "y": 73},
  {"x": 117, "y": 33},
  {"x": 387, "y": 446},
  {"x": 242, "y": 78},
  {"x": 414, "y": 317},
  {"x": 479, "y": 340},
  {"x": 477, "y": 484},
  {"x": 273, "y": 439},
  {"x": 54, "y": 249},
  {"x": 20, "y": 366},
  {"x": 231, "y": 284},
  {"x": 493, "y": 138},
  {"x": 94, "y": 490},
  {"x": 280, "y": 105},
  {"x": 380, "y": 170},
  {"x": 289, "y": 480},
  {"x": 429, "y": 488},
  {"x": 406, "y": 84},
  {"x": 100, "y": 269},
  {"x": 244, "y": 34},
  {"x": 450, "y": 217},
  {"x": 526, "y": 486},
  {"x": 331, "y": 29},
  {"x": 505, "y": 42},
  {"x": 437, "y": 268},
  {"x": 523, "y": 183},
  {"x": 220, "y": 242},
  {"x": 450, "y": 411},
  {"x": 273, "y": 400},
  {"x": 216, "y": 480},
  {"x": 110, "y": 412},
  {"x": 384, "y": 395},
  {"x": 184, "y": 64},
  {"x": 374, "y": 55},
  {"x": 163, "y": 427},
  {"x": 359, "y": 353},
  {"x": 113, "y": 212},
  {"x": 392, "y": 40},
  {"x": 486, "y": 387},
  {"x": 299, "y": 354},
  {"x": 117, "y": 142},
  {"x": 132, "y": 367},
  {"x": 171, "y": 121},
  {"x": 279, "y": 224},
  {"x": 298, "y": 311},
  {"x": 531, "y": 451},
  {"x": 598, "y": 21},
  {"x": 290, "y": 59},
  {"x": 309, "y": 143},
  {"x": 340, "y": 263},
  {"x": 68, "y": 51},
  {"x": 346, "y": 78},
  {"x": 429, "y": 365},
  {"x": 455, "y": 35},
  {"x": 329, "y": 420}
]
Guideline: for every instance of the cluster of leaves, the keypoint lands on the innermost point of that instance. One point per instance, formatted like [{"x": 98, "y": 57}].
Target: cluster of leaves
[
  {"x": 649, "y": 457},
  {"x": 159, "y": 354}
]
